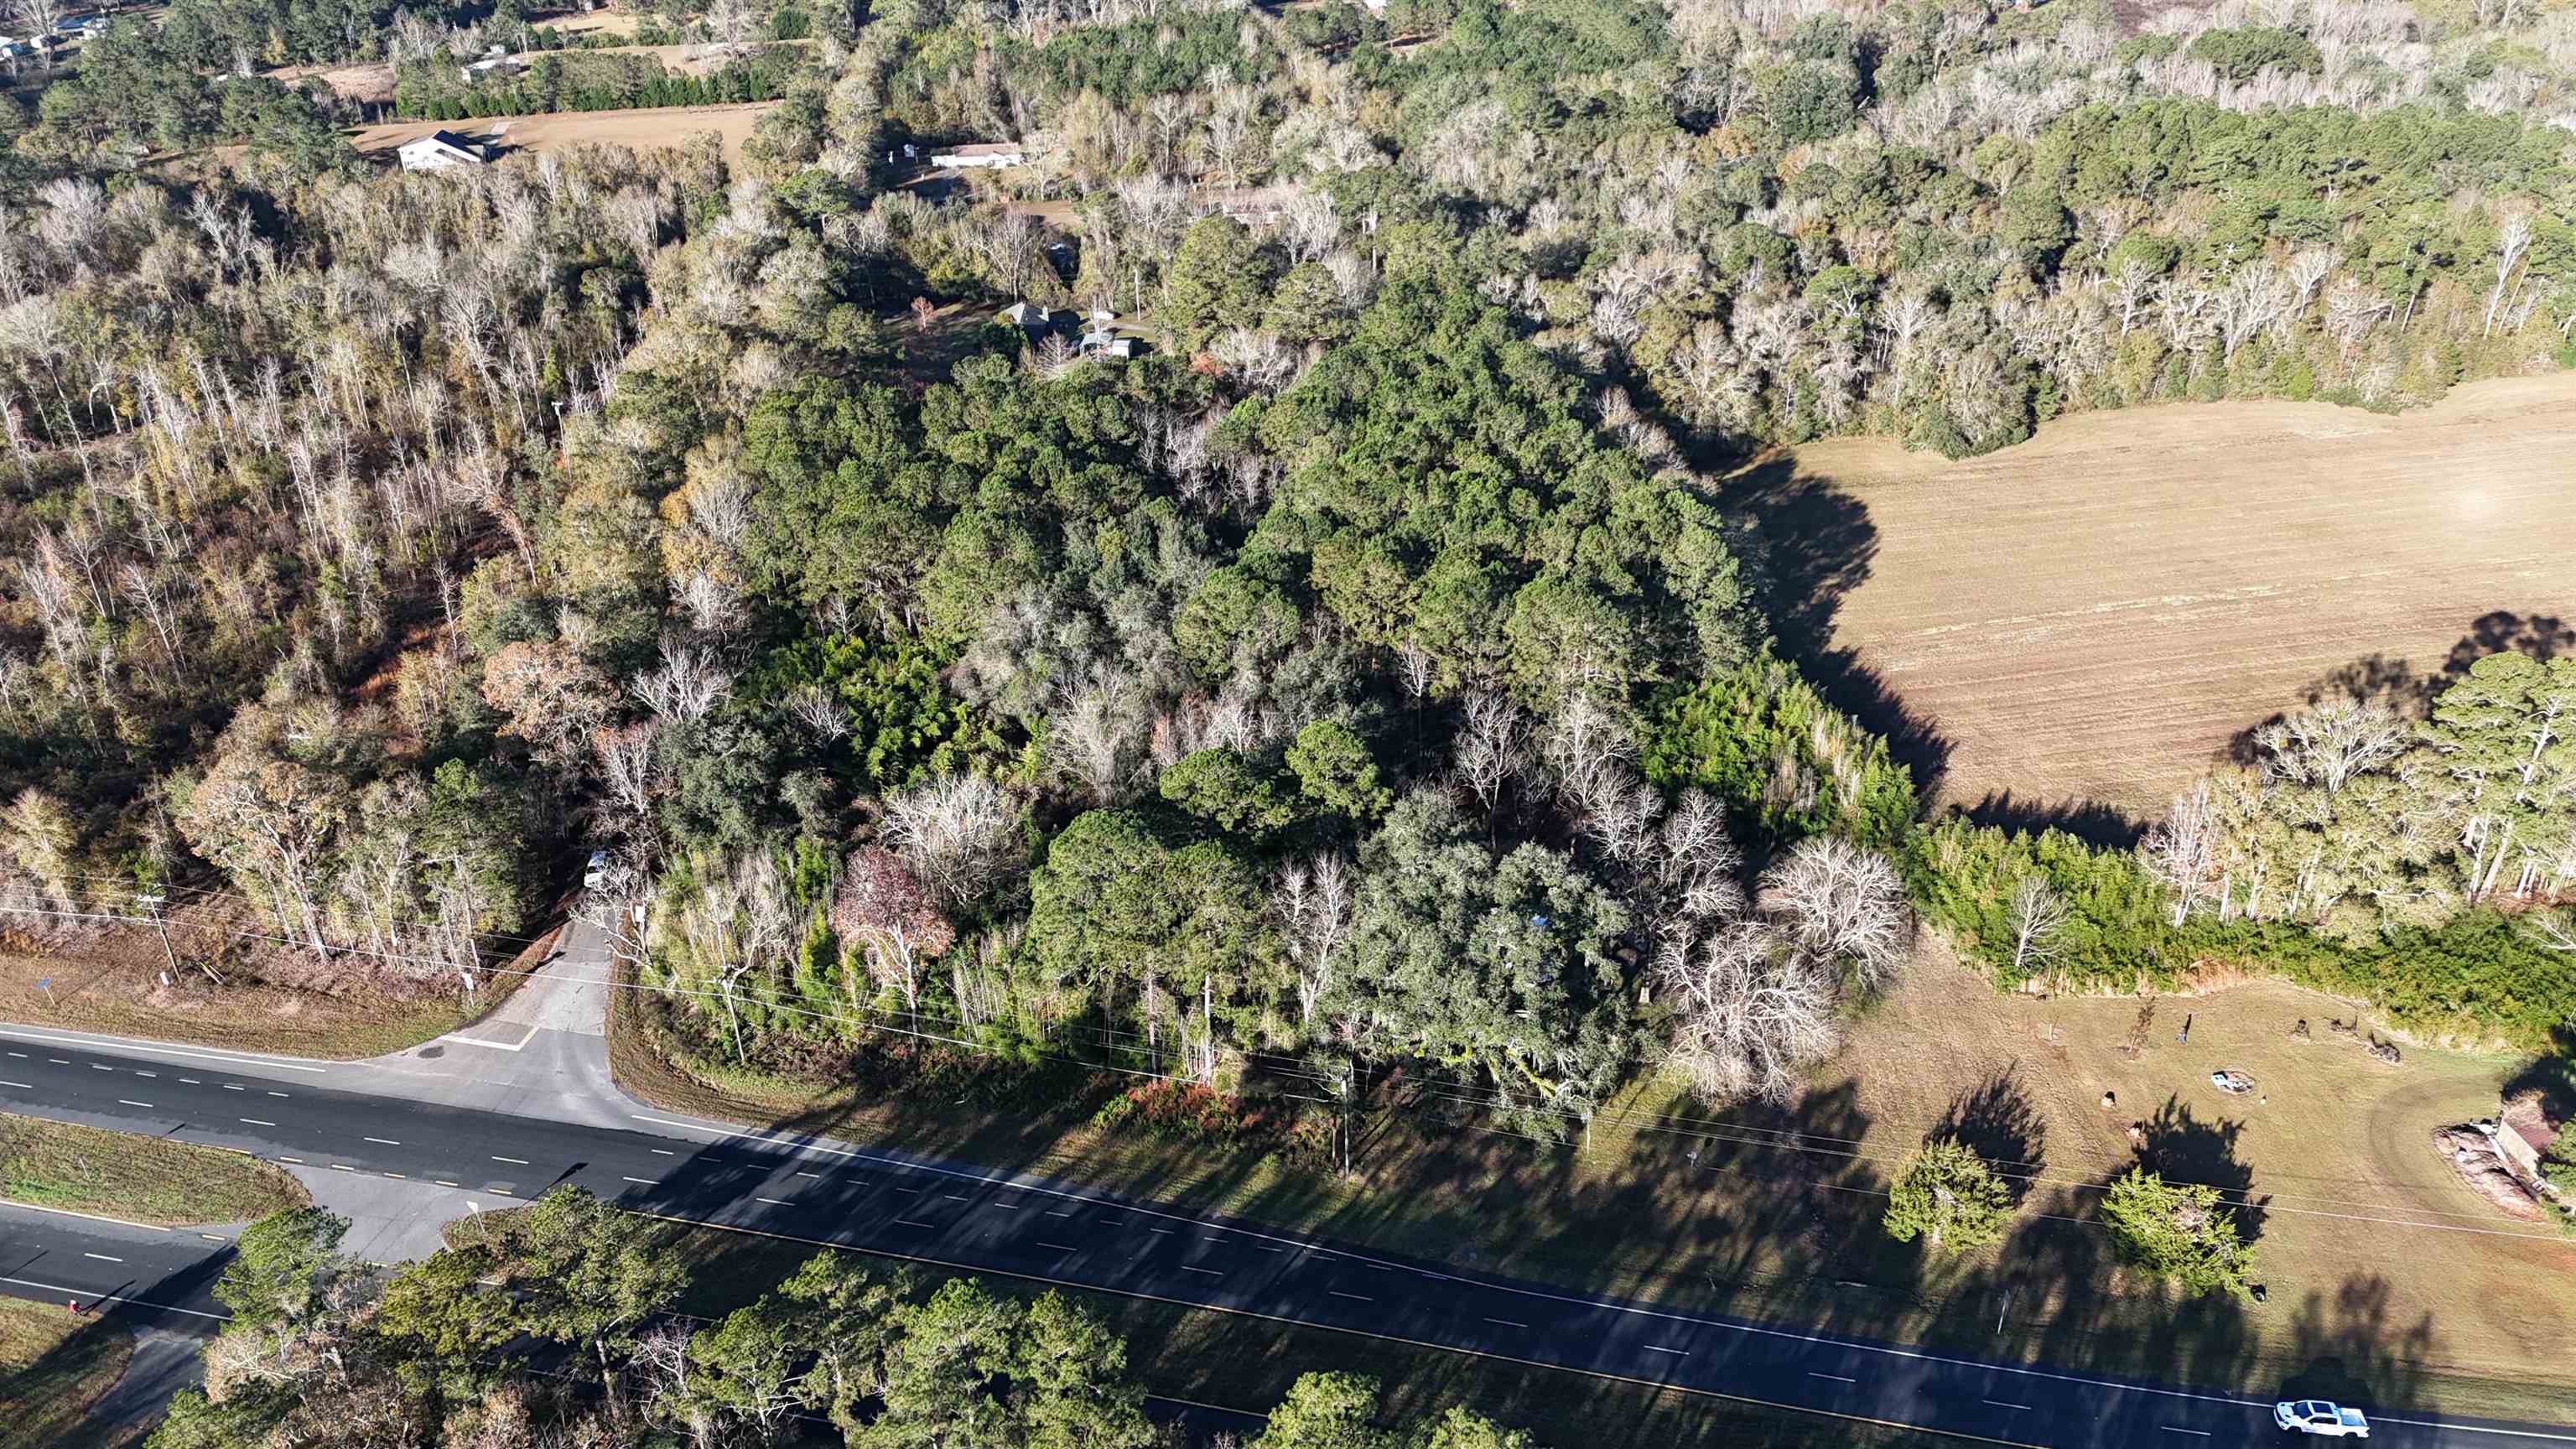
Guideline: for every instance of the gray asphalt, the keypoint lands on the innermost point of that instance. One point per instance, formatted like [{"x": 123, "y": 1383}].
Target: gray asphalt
[{"x": 969, "y": 1218}]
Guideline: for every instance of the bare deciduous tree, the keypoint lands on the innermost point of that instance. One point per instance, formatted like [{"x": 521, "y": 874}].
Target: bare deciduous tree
[
  {"x": 2036, "y": 918},
  {"x": 1314, "y": 901},
  {"x": 817, "y": 708},
  {"x": 1838, "y": 902},
  {"x": 2513, "y": 238},
  {"x": 1748, "y": 1011},
  {"x": 956, "y": 834},
  {"x": 2328, "y": 743},
  {"x": 2182, "y": 849},
  {"x": 1490, "y": 747},
  {"x": 881, "y": 906},
  {"x": 687, "y": 685}
]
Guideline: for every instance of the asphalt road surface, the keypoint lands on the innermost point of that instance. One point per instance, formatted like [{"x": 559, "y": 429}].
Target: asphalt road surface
[{"x": 973, "y": 1219}]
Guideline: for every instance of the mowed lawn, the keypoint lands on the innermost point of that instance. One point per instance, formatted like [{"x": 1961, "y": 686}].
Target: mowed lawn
[
  {"x": 2389, "y": 1282},
  {"x": 2093, "y": 615}
]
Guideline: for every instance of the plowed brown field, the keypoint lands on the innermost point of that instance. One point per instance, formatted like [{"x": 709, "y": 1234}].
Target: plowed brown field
[{"x": 2094, "y": 615}]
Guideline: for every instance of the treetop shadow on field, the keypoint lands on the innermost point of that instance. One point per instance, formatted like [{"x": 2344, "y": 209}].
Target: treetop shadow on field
[
  {"x": 2180, "y": 1146},
  {"x": 2090, "y": 821},
  {"x": 2381, "y": 679},
  {"x": 1996, "y": 1121},
  {"x": 2348, "y": 1351},
  {"x": 1813, "y": 544},
  {"x": 2550, "y": 1076}
]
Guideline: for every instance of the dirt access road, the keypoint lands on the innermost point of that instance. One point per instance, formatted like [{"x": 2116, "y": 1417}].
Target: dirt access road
[
  {"x": 640, "y": 130},
  {"x": 2095, "y": 614}
]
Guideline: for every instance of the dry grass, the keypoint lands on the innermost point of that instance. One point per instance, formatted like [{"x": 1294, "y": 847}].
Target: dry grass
[
  {"x": 112, "y": 982},
  {"x": 134, "y": 1177},
  {"x": 642, "y": 129},
  {"x": 2390, "y": 1282},
  {"x": 2094, "y": 614},
  {"x": 596, "y": 22},
  {"x": 52, "y": 1368}
]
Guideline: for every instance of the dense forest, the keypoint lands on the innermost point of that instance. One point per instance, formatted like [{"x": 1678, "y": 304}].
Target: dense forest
[
  {"x": 1372, "y": 675},
  {"x": 561, "y": 1325}
]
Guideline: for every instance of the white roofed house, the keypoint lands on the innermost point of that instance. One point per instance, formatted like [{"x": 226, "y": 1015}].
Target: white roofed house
[
  {"x": 982, "y": 156},
  {"x": 439, "y": 151},
  {"x": 496, "y": 64}
]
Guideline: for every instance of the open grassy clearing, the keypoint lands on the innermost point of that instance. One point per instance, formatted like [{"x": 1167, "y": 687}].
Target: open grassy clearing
[
  {"x": 2390, "y": 1281},
  {"x": 287, "y": 1002},
  {"x": 641, "y": 129},
  {"x": 2093, "y": 615},
  {"x": 52, "y": 1368},
  {"x": 134, "y": 1177},
  {"x": 1247, "y": 1364}
]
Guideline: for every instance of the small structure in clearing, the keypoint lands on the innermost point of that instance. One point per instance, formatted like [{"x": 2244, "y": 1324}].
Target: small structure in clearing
[
  {"x": 981, "y": 156},
  {"x": 439, "y": 151}
]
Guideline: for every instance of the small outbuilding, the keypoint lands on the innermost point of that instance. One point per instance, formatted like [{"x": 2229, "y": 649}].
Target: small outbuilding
[
  {"x": 981, "y": 156},
  {"x": 440, "y": 151}
]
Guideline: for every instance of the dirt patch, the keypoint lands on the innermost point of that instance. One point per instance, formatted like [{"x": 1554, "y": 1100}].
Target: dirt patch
[
  {"x": 597, "y": 22},
  {"x": 639, "y": 130},
  {"x": 2095, "y": 614},
  {"x": 2467, "y": 1151}
]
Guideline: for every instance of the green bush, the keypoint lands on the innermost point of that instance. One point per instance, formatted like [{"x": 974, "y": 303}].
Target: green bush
[{"x": 1766, "y": 744}]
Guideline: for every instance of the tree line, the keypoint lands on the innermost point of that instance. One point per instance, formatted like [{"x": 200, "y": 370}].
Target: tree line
[{"x": 559, "y": 1324}]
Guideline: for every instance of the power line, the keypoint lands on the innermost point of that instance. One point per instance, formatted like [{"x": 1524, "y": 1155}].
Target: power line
[{"x": 1704, "y": 1129}]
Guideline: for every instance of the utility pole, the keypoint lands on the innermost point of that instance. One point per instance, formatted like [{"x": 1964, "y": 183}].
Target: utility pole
[{"x": 152, "y": 907}]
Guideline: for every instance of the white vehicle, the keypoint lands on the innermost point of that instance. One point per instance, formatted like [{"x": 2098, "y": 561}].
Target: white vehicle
[
  {"x": 2316, "y": 1416},
  {"x": 595, "y": 874}
]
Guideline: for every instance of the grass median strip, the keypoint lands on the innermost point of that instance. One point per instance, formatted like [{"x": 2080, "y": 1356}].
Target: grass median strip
[{"x": 137, "y": 1178}]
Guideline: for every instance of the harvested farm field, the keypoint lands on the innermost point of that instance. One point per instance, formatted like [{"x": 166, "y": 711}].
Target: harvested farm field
[
  {"x": 642, "y": 129},
  {"x": 2071, "y": 629}
]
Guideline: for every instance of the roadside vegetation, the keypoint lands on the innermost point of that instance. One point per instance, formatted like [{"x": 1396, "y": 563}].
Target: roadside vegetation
[
  {"x": 1355, "y": 733},
  {"x": 560, "y": 1323},
  {"x": 135, "y": 1178}
]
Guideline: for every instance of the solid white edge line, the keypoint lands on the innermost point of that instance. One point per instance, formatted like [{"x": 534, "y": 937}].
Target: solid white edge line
[
  {"x": 120, "y": 1298},
  {"x": 788, "y": 1145},
  {"x": 93, "y": 1044}
]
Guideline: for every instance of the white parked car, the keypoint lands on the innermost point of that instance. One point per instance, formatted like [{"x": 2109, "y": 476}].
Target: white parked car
[
  {"x": 2316, "y": 1416},
  {"x": 595, "y": 874}
]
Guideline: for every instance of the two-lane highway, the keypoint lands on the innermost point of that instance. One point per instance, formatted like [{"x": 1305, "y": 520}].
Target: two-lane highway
[{"x": 969, "y": 1218}]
